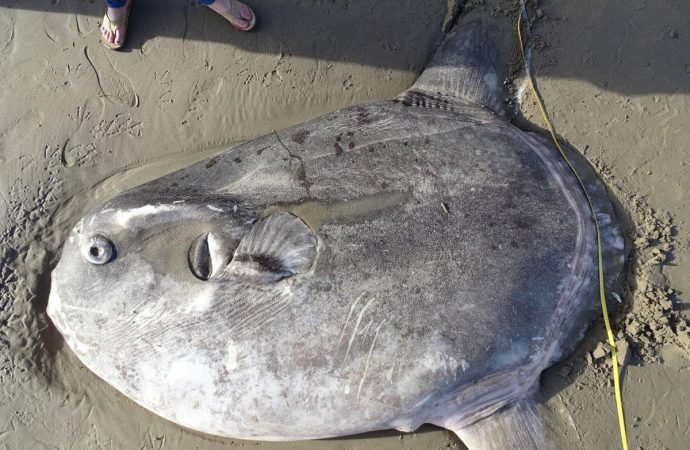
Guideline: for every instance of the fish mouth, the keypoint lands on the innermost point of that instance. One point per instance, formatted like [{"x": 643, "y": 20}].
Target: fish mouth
[
  {"x": 54, "y": 310},
  {"x": 53, "y": 307}
]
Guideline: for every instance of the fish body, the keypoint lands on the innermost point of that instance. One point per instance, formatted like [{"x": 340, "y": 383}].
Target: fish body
[{"x": 386, "y": 265}]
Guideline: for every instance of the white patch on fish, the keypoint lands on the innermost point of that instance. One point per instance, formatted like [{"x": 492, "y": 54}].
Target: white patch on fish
[
  {"x": 603, "y": 219},
  {"x": 231, "y": 356},
  {"x": 53, "y": 304},
  {"x": 464, "y": 365},
  {"x": 191, "y": 377},
  {"x": 491, "y": 81},
  {"x": 122, "y": 217},
  {"x": 55, "y": 310},
  {"x": 214, "y": 208},
  {"x": 618, "y": 243},
  {"x": 440, "y": 361},
  {"x": 203, "y": 300},
  {"x": 218, "y": 251}
]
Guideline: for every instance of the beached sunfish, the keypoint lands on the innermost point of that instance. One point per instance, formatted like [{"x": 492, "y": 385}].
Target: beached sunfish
[{"x": 413, "y": 261}]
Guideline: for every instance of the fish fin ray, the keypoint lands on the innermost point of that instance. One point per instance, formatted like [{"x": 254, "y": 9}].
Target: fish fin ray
[
  {"x": 278, "y": 246},
  {"x": 517, "y": 426}
]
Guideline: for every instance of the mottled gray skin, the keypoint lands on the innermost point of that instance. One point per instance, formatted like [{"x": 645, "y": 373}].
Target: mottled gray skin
[{"x": 455, "y": 260}]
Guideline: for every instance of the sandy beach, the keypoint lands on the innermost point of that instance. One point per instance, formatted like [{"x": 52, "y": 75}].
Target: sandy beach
[{"x": 80, "y": 123}]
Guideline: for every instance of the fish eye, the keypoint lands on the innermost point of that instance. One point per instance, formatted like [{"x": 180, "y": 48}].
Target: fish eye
[{"x": 98, "y": 249}]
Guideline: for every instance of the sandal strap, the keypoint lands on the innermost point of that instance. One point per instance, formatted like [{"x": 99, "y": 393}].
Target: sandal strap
[{"x": 122, "y": 21}]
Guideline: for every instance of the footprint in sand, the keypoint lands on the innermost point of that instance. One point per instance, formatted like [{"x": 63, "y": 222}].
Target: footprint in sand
[
  {"x": 88, "y": 24},
  {"x": 6, "y": 31},
  {"x": 114, "y": 85},
  {"x": 202, "y": 96},
  {"x": 96, "y": 126}
]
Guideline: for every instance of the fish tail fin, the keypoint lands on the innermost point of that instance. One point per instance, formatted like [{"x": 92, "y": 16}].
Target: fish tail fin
[{"x": 517, "y": 426}]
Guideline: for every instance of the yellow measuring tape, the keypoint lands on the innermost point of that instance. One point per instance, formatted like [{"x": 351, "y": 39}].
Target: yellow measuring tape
[{"x": 602, "y": 296}]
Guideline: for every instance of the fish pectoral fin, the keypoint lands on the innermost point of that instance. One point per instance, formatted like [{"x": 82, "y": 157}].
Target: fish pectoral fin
[{"x": 278, "y": 246}]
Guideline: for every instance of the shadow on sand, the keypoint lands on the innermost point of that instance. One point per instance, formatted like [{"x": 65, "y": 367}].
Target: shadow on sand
[{"x": 643, "y": 37}]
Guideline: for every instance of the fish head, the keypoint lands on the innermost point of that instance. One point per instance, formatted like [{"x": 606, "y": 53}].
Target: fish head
[{"x": 135, "y": 265}]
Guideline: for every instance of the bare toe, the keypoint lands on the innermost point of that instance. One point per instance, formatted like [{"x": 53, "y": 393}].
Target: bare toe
[{"x": 246, "y": 13}]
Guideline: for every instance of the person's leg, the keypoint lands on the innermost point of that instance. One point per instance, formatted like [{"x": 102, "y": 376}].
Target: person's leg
[
  {"x": 114, "y": 26},
  {"x": 237, "y": 13}
]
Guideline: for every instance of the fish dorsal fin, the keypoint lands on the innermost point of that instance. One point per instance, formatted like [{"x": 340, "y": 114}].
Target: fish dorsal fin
[
  {"x": 276, "y": 247},
  {"x": 465, "y": 69}
]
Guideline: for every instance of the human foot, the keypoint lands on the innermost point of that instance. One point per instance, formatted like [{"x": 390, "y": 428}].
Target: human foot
[
  {"x": 237, "y": 13},
  {"x": 114, "y": 26}
]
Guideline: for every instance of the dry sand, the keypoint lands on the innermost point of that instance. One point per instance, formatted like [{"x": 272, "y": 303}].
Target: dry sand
[{"x": 79, "y": 123}]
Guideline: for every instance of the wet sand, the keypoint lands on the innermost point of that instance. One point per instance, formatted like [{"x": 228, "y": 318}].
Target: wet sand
[{"x": 80, "y": 123}]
